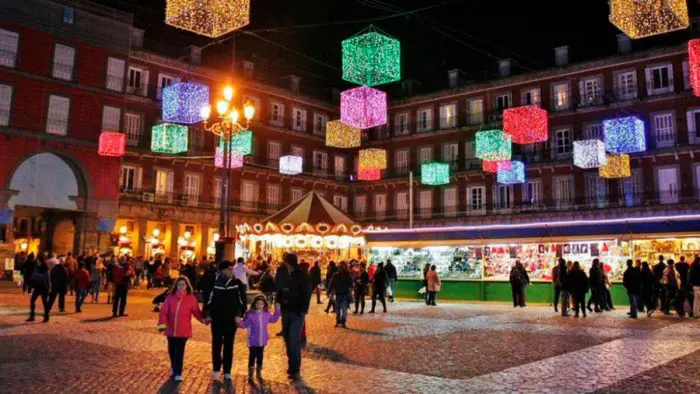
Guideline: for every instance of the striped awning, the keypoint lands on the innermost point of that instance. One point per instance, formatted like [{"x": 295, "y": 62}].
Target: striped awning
[{"x": 312, "y": 208}]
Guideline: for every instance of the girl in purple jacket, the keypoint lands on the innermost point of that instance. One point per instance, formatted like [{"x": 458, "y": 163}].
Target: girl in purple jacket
[{"x": 256, "y": 321}]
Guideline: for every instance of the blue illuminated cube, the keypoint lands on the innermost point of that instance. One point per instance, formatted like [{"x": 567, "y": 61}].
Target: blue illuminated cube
[
  {"x": 183, "y": 102},
  {"x": 624, "y": 135}
]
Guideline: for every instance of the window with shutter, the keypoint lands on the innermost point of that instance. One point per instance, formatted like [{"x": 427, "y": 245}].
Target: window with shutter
[
  {"x": 192, "y": 188},
  {"x": 58, "y": 111},
  {"x": 448, "y": 116},
  {"x": 532, "y": 194},
  {"x": 295, "y": 194},
  {"x": 591, "y": 91},
  {"x": 593, "y": 131},
  {"x": 9, "y": 41},
  {"x": 667, "y": 184},
  {"x": 475, "y": 200},
  {"x": 115, "y": 74},
  {"x": 503, "y": 101},
  {"x": 132, "y": 128},
  {"x": 320, "y": 122},
  {"x": 110, "y": 118},
  {"x": 503, "y": 197},
  {"x": 320, "y": 163},
  {"x": 401, "y": 126},
  {"x": 277, "y": 114},
  {"x": 401, "y": 204},
  {"x": 63, "y": 62},
  {"x": 341, "y": 202},
  {"x": 450, "y": 154},
  {"x": 563, "y": 191},
  {"x": 626, "y": 85},
  {"x": 360, "y": 206},
  {"x": 274, "y": 151},
  {"x": 562, "y": 143},
  {"x": 216, "y": 191},
  {"x": 425, "y": 155},
  {"x": 659, "y": 79},
  {"x": 476, "y": 111},
  {"x": 273, "y": 197},
  {"x": 299, "y": 119},
  {"x": 631, "y": 188},
  {"x": 560, "y": 91},
  {"x": 425, "y": 120},
  {"x": 380, "y": 205},
  {"x": 163, "y": 81},
  {"x": 127, "y": 182},
  {"x": 5, "y": 103},
  {"x": 596, "y": 190},
  {"x": 401, "y": 163},
  {"x": 449, "y": 201},
  {"x": 664, "y": 132},
  {"x": 531, "y": 97},
  {"x": 339, "y": 166}
]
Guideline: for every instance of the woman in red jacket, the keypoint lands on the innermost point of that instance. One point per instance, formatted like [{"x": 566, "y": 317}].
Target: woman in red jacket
[{"x": 176, "y": 320}]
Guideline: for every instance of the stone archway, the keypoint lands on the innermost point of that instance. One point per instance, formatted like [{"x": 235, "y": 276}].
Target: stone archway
[{"x": 50, "y": 188}]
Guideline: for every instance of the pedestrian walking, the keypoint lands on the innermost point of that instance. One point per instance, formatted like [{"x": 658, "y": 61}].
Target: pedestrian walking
[
  {"x": 256, "y": 320},
  {"x": 595, "y": 278},
  {"x": 81, "y": 277},
  {"x": 379, "y": 287},
  {"x": 607, "y": 303},
  {"x": 660, "y": 296},
  {"x": 40, "y": 288},
  {"x": 71, "y": 265},
  {"x": 556, "y": 285},
  {"x": 293, "y": 294},
  {"x": 120, "y": 278},
  {"x": 694, "y": 281},
  {"x": 682, "y": 269},
  {"x": 632, "y": 282},
  {"x": 95, "y": 280},
  {"x": 225, "y": 309},
  {"x": 59, "y": 286},
  {"x": 315, "y": 273},
  {"x": 361, "y": 284},
  {"x": 109, "y": 282},
  {"x": 566, "y": 287},
  {"x": 434, "y": 284},
  {"x": 341, "y": 286},
  {"x": 242, "y": 273},
  {"x": 176, "y": 320},
  {"x": 332, "y": 269},
  {"x": 518, "y": 281},
  {"x": 578, "y": 285},
  {"x": 648, "y": 289},
  {"x": 391, "y": 277},
  {"x": 670, "y": 281},
  {"x": 28, "y": 269}
]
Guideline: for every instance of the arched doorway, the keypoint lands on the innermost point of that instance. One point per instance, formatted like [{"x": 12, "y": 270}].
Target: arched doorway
[{"x": 50, "y": 196}]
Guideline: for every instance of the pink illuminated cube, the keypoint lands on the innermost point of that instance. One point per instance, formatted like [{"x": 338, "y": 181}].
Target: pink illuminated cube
[{"x": 363, "y": 107}]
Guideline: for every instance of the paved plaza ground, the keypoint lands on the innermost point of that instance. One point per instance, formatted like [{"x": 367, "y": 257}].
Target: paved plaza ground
[{"x": 452, "y": 348}]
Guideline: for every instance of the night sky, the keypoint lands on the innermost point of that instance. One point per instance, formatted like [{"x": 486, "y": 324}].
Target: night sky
[{"x": 466, "y": 34}]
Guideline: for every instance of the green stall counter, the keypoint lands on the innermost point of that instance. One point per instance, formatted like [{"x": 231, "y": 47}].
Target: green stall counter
[{"x": 492, "y": 291}]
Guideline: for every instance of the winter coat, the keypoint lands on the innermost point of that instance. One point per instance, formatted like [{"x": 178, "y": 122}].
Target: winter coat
[
  {"x": 329, "y": 274},
  {"x": 226, "y": 302},
  {"x": 267, "y": 282},
  {"x": 371, "y": 271},
  {"x": 362, "y": 281},
  {"x": 648, "y": 282},
  {"x": 82, "y": 279},
  {"x": 380, "y": 282},
  {"x": 59, "y": 277},
  {"x": 694, "y": 275},
  {"x": 434, "y": 281},
  {"x": 682, "y": 270},
  {"x": 519, "y": 277},
  {"x": 671, "y": 278},
  {"x": 579, "y": 283},
  {"x": 341, "y": 283},
  {"x": 555, "y": 276},
  {"x": 293, "y": 290},
  {"x": 256, "y": 323},
  {"x": 631, "y": 279},
  {"x": 595, "y": 277},
  {"x": 177, "y": 312},
  {"x": 120, "y": 274},
  {"x": 315, "y": 273},
  {"x": 659, "y": 269},
  {"x": 390, "y": 271}
]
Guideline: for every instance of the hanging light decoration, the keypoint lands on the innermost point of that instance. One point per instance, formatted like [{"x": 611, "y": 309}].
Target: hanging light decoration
[
  {"x": 515, "y": 175},
  {"x": 169, "y": 138},
  {"x": 526, "y": 125},
  {"x": 211, "y": 18},
  {"x": 111, "y": 144},
  {"x": 694, "y": 65},
  {"x": 496, "y": 165},
  {"x": 589, "y": 153},
  {"x": 493, "y": 145},
  {"x": 183, "y": 102},
  {"x": 236, "y": 159},
  {"x": 241, "y": 143},
  {"x": 616, "y": 166},
  {"x": 291, "y": 165},
  {"x": 435, "y": 174},
  {"x": 371, "y": 59},
  {"x": 368, "y": 174},
  {"x": 363, "y": 107},
  {"x": 374, "y": 159},
  {"x": 341, "y": 135},
  {"x": 624, "y": 135},
  {"x": 643, "y": 18}
]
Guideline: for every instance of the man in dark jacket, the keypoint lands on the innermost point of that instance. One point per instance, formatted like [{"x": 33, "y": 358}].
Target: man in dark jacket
[
  {"x": 391, "y": 277},
  {"x": 631, "y": 279},
  {"x": 120, "y": 277},
  {"x": 379, "y": 287},
  {"x": 59, "y": 286},
  {"x": 361, "y": 284},
  {"x": 658, "y": 270},
  {"x": 341, "y": 286},
  {"x": 206, "y": 283},
  {"x": 40, "y": 288},
  {"x": 684, "y": 291},
  {"x": 225, "y": 309},
  {"x": 29, "y": 266},
  {"x": 315, "y": 273},
  {"x": 293, "y": 297},
  {"x": 595, "y": 278}
]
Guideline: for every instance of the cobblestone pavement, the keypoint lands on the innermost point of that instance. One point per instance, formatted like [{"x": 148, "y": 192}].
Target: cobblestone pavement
[{"x": 452, "y": 348}]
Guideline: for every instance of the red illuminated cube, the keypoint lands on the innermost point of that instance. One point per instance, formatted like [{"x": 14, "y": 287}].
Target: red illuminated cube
[
  {"x": 112, "y": 144},
  {"x": 526, "y": 125}
]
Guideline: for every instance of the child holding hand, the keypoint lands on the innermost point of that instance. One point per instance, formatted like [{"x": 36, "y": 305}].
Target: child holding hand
[{"x": 256, "y": 321}]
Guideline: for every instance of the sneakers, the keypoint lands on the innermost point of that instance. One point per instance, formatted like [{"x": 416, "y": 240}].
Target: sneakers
[
  {"x": 177, "y": 378},
  {"x": 215, "y": 375},
  {"x": 227, "y": 376}
]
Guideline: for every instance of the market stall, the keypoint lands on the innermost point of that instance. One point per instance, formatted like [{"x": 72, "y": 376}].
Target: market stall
[
  {"x": 312, "y": 227},
  {"x": 475, "y": 261}
]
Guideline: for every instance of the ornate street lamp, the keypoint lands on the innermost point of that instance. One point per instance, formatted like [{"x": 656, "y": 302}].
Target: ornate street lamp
[{"x": 226, "y": 126}]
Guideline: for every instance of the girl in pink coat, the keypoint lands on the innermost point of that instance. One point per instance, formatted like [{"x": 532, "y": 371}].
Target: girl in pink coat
[
  {"x": 176, "y": 320},
  {"x": 256, "y": 321}
]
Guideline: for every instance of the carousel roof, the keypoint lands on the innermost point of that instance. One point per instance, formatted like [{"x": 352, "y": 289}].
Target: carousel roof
[{"x": 312, "y": 208}]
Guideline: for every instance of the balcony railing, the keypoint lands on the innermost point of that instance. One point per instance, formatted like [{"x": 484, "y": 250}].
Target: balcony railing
[
  {"x": 464, "y": 212},
  {"x": 203, "y": 201}
]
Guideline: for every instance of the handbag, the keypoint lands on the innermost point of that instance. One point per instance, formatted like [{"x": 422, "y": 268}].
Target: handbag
[{"x": 421, "y": 290}]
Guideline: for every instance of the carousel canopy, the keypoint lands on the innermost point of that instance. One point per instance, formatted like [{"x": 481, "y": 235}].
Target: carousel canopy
[{"x": 312, "y": 208}]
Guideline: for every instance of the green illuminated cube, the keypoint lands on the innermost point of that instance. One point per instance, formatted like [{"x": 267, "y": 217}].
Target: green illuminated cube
[
  {"x": 241, "y": 143},
  {"x": 435, "y": 174},
  {"x": 371, "y": 59},
  {"x": 493, "y": 145},
  {"x": 169, "y": 138}
]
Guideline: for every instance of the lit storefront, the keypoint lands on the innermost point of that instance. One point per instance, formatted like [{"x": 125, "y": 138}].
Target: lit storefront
[{"x": 475, "y": 261}]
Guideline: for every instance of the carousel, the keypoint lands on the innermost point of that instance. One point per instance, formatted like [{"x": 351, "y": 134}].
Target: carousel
[{"x": 311, "y": 227}]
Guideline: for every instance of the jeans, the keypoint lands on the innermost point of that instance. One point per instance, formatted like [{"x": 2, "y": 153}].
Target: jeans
[
  {"x": 218, "y": 340},
  {"x": 36, "y": 293},
  {"x": 342, "y": 303},
  {"x": 634, "y": 298},
  {"x": 595, "y": 298},
  {"x": 518, "y": 295},
  {"x": 379, "y": 293},
  {"x": 669, "y": 298},
  {"x": 431, "y": 297},
  {"x": 61, "y": 293},
  {"x": 392, "y": 286},
  {"x": 360, "y": 299},
  {"x": 119, "y": 298},
  {"x": 565, "y": 301},
  {"x": 176, "y": 351},
  {"x": 580, "y": 302},
  {"x": 331, "y": 302},
  {"x": 291, "y": 331},
  {"x": 557, "y": 292},
  {"x": 255, "y": 355},
  {"x": 80, "y": 295}
]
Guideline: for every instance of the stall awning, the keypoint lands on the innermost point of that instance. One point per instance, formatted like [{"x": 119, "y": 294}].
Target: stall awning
[
  {"x": 617, "y": 228},
  {"x": 312, "y": 208}
]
